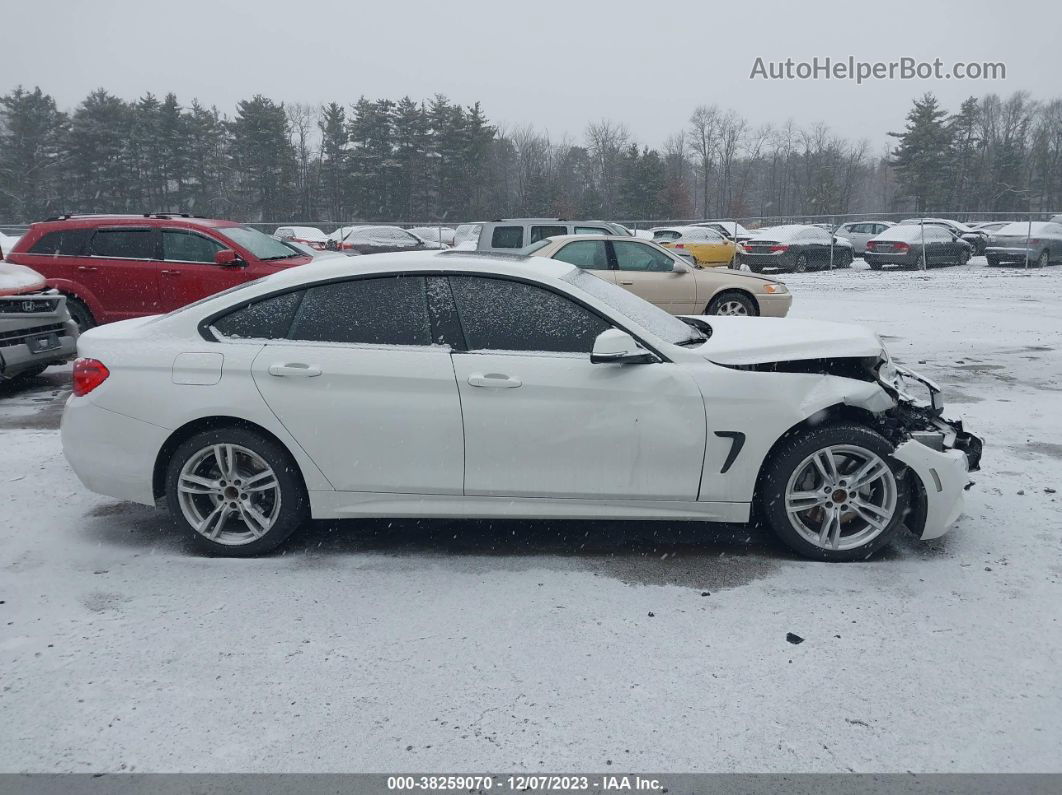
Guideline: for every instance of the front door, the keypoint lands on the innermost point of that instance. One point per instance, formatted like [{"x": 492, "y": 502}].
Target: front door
[
  {"x": 541, "y": 420},
  {"x": 649, "y": 273},
  {"x": 359, "y": 385},
  {"x": 187, "y": 271}
]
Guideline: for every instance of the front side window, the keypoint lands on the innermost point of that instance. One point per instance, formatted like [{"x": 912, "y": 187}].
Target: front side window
[
  {"x": 507, "y": 237},
  {"x": 123, "y": 244},
  {"x": 391, "y": 310},
  {"x": 188, "y": 247},
  {"x": 268, "y": 319},
  {"x": 631, "y": 256},
  {"x": 505, "y": 315},
  {"x": 585, "y": 254}
]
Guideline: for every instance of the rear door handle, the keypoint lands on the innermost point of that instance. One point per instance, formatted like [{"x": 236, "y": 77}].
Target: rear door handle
[
  {"x": 87, "y": 268},
  {"x": 294, "y": 370},
  {"x": 494, "y": 381},
  {"x": 170, "y": 273}
]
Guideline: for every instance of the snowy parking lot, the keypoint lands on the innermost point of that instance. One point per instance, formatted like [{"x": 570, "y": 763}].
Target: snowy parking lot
[{"x": 476, "y": 646}]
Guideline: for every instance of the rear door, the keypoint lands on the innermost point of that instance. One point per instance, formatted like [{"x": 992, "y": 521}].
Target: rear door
[
  {"x": 542, "y": 421},
  {"x": 650, "y": 274},
  {"x": 359, "y": 384},
  {"x": 121, "y": 270},
  {"x": 187, "y": 271}
]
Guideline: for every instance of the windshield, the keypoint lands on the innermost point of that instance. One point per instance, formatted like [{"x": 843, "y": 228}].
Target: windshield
[
  {"x": 260, "y": 245},
  {"x": 534, "y": 246},
  {"x": 641, "y": 313}
]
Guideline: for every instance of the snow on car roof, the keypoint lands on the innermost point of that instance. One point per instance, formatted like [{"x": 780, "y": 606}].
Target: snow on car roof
[
  {"x": 1022, "y": 228},
  {"x": 905, "y": 232},
  {"x": 307, "y": 232},
  {"x": 780, "y": 232}
]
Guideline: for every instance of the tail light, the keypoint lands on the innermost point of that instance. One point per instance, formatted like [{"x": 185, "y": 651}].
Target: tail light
[
  {"x": 680, "y": 245},
  {"x": 902, "y": 247},
  {"x": 778, "y": 248},
  {"x": 1035, "y": 241},
  {"x": 872, "y": 244},
  {"x": 88, "y": 374}
]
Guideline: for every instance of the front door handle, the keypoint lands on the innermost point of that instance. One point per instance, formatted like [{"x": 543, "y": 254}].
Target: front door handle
[
  {"x": 494, "y": 381},
  {"x": 170, "y": 273},
  {"x": 87, "y": 268},
  {"x": 294, "y": 370}
]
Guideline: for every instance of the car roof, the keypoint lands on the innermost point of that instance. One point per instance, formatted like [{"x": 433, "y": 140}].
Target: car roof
[
  {"x": 84, "y": 221},
  {"x": 566, "y": 238},
  {"x": 453, "y": 260}
]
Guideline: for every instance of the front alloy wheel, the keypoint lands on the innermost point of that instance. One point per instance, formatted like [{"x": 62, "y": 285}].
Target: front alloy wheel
[
  {"x": 236, "y": 491},
  {"x": 834, "y": 493}
]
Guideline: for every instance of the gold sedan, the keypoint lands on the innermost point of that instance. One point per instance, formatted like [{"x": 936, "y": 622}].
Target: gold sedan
[
  {"x": 707, "y": 247},
  {"x": 665, "y": 279}
]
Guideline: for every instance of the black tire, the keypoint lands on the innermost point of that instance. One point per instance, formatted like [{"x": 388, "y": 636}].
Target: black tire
[
  {"x": 846, "y": 259},
  {"x": 875, "y": 266},
  {"x": 1044, "y": 259},
  {"x": 80, "y": 313},
  {"x": 733, "y": 297},
  {"x": 801, "y": 263},
  {"x": 964, "y": 257},
  {"x": 293, "y": 510},
  {"x": 791, "y": 454},
  {"x": 756, "y": 268},
  {"x": 992, "y": 261}
]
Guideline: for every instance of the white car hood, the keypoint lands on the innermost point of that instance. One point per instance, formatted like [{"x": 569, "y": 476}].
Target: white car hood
[{"x": 761, "y": 340}]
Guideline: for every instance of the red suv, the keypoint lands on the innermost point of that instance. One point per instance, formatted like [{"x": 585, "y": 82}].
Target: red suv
[{"x": 113, "y": 267}]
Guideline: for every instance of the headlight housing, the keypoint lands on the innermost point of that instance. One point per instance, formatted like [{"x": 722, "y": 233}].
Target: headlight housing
[{"x": 775, "y": 288}]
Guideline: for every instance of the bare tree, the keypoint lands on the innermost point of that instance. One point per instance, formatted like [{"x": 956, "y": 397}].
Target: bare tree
[{"x": 703, "y": 138}]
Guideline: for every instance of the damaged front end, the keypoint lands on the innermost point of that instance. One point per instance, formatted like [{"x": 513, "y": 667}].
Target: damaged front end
[{"x": 939, "y": 451}]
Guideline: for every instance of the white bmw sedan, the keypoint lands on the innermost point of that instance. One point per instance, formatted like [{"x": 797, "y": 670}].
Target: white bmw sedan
[{"x": 462, "y": 385}]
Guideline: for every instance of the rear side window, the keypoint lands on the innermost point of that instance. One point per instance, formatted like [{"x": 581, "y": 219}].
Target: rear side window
[
  {"x": 188, "y": 247},
  {"x": 592, "y": 230},
  {"x": 585, "y": 254},
  {"x": 504, "y": 315},
  {"x": 507, "y": 237},
  {"x": 68, "y": 242},
  {"x": 542, "y": 232},
  {"x": 387, "y": 311},
  {"x": 268, "y": 319},
  {"x": 123, "y": 243}
]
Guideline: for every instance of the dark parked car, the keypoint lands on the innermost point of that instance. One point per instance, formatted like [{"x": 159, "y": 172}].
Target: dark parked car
[
  {"x": 377, "y": 240},
  {"x": 1039, "y": 243},
  {"x": 796, "y": 248},
  {"x": 975, "y": 237},
  {"x": 121, "y": 266},
  {"x": 916, "y": 245}
]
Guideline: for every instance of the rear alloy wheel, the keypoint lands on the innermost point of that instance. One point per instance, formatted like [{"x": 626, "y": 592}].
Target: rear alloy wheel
[
  {"x": 80, "y": 313},
  {"x": 801, "y": 263},
  {"x": 236, "y": 491},
  {"x": 834, "y": 493},
  {"x": 732, "y": 302},
  {"x": 1043, "y": 260}
]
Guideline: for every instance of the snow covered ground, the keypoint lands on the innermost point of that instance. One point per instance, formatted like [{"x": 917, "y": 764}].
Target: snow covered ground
[{"x": 397, "y": 646}]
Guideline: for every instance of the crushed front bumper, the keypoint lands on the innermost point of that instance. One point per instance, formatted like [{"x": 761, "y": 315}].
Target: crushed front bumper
[{"x": 941, "y": 453}]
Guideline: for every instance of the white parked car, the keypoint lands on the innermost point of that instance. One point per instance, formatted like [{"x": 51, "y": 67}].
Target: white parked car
[
  {"x": 309, "y": 236},
  {"x": 460, "y": 385}
]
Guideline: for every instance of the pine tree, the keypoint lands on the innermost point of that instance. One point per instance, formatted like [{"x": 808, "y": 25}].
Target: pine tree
[
  {"x": 263, "y": 159},
  {"x": 32, "y": 132},
  {"x": 334, "y": 164},
  {"x": 921, "y": 158}
]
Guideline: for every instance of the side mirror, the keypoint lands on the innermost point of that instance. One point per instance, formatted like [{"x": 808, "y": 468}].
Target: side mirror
[
  {"x": 228, "y": 258},
  {"x": 619, "y": 347}
]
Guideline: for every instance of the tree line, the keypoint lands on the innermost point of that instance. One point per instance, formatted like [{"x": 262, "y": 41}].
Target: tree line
[{"x": 439, "y": 161}]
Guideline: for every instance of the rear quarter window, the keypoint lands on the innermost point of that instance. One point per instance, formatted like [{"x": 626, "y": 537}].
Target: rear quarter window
[
  {"x": 67, "y": 242},
  {"x": 507, "y": 237}
]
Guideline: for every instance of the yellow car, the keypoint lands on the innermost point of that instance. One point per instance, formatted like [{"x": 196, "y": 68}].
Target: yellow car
[{"x": 708, "y": 248}]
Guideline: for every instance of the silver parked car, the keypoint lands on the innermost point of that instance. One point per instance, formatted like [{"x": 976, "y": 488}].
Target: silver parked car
[
  {"x": 508, "y": 234},
  {"x": 1038, "y": 243},
  {"x": 859, "y": 232}
]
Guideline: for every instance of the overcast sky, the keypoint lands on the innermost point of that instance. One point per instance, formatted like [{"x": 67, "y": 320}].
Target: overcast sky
[{"x": 556, "y": 65}]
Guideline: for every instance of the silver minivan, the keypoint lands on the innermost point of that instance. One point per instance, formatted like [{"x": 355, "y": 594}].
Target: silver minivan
[{"x": 510, "y": 234}]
